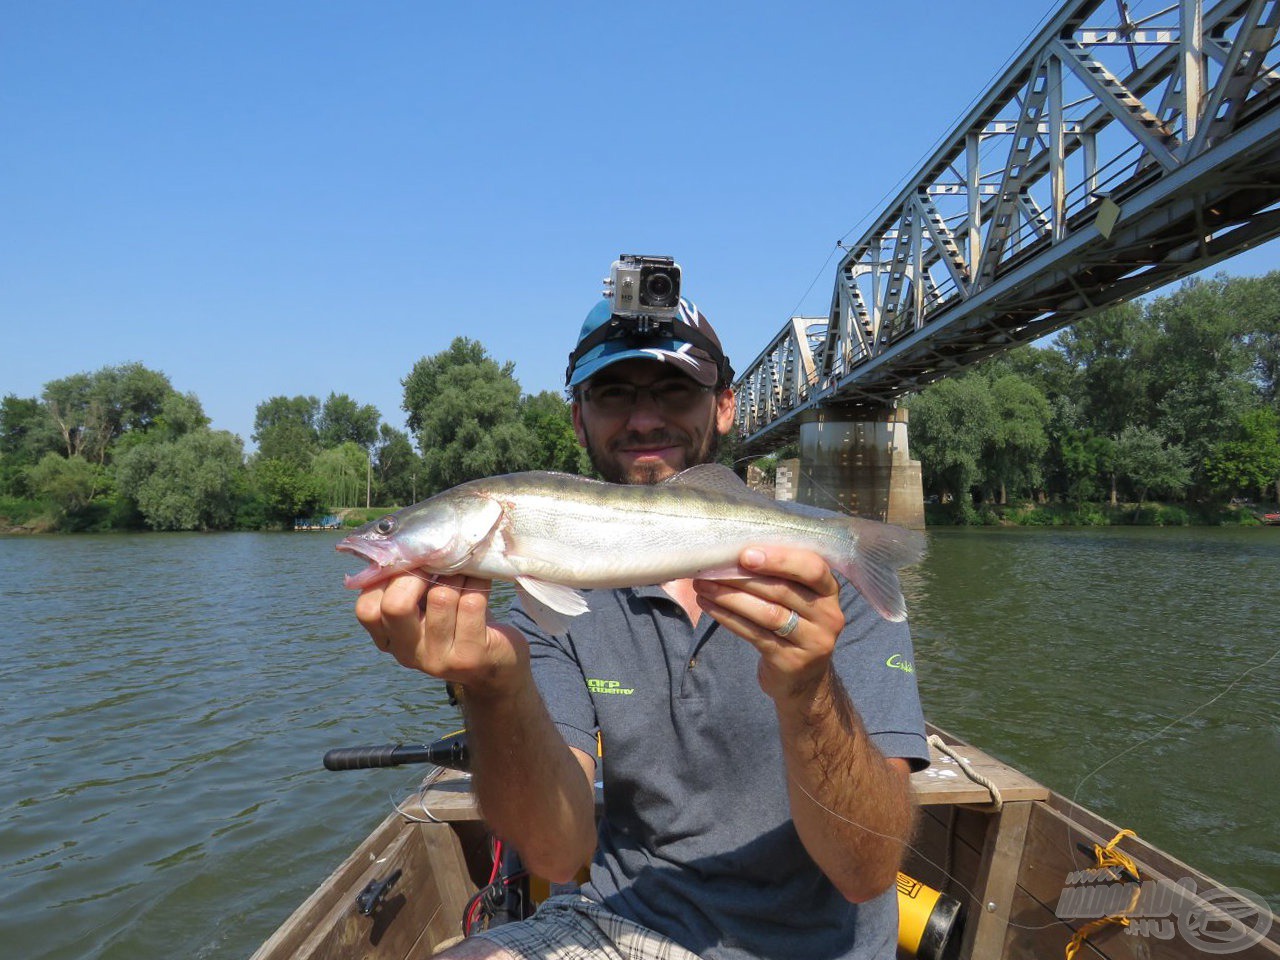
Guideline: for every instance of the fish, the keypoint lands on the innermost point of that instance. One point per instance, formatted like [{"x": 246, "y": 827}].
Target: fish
[{"x": 554, "y": 535}]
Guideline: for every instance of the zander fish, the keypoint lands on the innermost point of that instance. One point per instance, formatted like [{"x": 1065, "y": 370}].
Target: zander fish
[{"x": 554, "y": 534}]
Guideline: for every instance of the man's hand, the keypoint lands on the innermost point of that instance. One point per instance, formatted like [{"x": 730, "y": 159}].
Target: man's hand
[
  {"x": 787, "y": 579},
  {"x": 442, "y": 629}
]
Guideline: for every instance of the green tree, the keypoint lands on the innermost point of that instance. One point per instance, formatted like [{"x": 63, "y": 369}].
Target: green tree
[
  {"x": 397, "y": 467},
  {"x": 1256, "y": 301},
  {"x": 27, "y": 433},
  {"x": 1110, "y": 352},
  {"x": 1046, "y": 368},
  {"x": 1014, "y": 454},
  {"x": 342, "y": 420},
  {"x": 1151, "y": 465},
  {"x": 1201, "y": 376},
  {"x": 422, "y": 385},
  {"x": 950, "y": 427},
  {"x": 286, "y": 491},
  {"x": 185, "y": 484},
  {"x": 1249, "y": 461},
  {"x": 284, "y": 428},
  {"x": 465, "y": 410},
  {"x": 68, "y": 484},
  {"x": 343, "y": 473},
  {"x": 548, "y": 417},
  {"x": 91, "y": 410},
  {"x": 1086, "y": 459},
  {"x": 180, "y": 414}
]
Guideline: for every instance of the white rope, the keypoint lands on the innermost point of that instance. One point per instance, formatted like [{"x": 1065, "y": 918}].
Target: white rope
[{"x": 997, "y": 801}]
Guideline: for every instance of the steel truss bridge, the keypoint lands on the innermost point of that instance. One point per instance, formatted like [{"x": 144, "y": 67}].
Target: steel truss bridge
[{"x": 1114, "y": 155}]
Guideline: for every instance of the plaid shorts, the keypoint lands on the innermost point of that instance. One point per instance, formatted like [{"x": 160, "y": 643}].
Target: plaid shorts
[{"x": 571, "y": 927}]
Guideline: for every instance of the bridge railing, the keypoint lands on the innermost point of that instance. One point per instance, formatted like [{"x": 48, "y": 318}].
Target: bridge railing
[{"x": 1112, "y": 155}]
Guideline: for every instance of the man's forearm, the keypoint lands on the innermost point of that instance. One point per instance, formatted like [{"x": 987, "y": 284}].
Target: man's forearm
[
  {"x": 531, "y": 787},
  {"x": 852, "y": 808}
]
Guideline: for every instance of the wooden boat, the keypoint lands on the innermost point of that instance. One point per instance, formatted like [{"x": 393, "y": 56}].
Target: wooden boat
[{"x": 1025, "y": 871}]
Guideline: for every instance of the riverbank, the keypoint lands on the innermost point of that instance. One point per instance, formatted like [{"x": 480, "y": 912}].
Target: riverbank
[
  {"x": 1149, "y": 514},
  {"x": 30, "y": 517}
]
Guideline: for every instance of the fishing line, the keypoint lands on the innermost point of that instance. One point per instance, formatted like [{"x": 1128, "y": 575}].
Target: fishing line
[
  {"x": 951, "y": 876},
  {"x": 917, "y": 851},
  {"x": 427, "y": 782},
  {"x": 1173, "y": 723}
]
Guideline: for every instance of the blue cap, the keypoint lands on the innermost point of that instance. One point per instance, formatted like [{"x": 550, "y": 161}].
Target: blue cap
[{"x": 689, "y": 344}]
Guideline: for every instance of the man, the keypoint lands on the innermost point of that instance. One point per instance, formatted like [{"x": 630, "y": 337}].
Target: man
[{"x": 756, "y": 747}]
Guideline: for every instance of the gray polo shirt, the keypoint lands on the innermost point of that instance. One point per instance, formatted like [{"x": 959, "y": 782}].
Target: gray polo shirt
[{"x": 696, "y": 840}]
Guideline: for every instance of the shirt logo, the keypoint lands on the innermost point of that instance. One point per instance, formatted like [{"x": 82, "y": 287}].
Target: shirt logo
[
  {"x": 609, "y": 686},
  {"x": 895, "y": 661}
]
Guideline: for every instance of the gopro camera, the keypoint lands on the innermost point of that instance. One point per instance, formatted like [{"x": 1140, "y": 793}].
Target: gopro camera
[{"x": 644, "y": 287}]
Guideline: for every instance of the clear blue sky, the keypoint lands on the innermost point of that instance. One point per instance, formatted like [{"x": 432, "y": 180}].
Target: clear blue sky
[{"x": 302, "y": 197}]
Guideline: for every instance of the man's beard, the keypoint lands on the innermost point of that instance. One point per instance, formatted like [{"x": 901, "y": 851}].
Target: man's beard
[{"x": 611, "y": 470}]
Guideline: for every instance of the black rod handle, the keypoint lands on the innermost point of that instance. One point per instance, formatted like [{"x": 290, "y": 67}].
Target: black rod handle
[
  {"x": 450, "y": 751},
  {"x": 386, "y": 755}
]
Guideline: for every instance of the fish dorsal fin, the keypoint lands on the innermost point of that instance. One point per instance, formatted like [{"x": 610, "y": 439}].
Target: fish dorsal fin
[
  {"x": 714, "y": 477},
  {"x": 805, "y": 510},
  {"x": 720, "y": 479},
  {"x": 551, "y": 605}
]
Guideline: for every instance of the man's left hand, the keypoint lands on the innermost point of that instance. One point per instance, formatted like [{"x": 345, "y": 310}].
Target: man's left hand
[{"x": 785, "y": 580}]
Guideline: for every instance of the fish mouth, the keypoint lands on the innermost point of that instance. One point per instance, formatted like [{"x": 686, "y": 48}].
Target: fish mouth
[{"x": 382, "y": 560}]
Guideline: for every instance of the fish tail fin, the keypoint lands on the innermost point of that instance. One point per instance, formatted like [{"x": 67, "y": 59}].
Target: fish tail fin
[{"x": 871, "y": 563}]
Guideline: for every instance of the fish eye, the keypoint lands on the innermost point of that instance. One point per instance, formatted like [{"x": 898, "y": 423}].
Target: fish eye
[{"x": 386, "y": 525}]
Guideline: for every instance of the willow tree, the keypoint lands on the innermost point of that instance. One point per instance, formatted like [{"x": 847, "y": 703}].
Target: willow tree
[{"x": 344, "y": 474}]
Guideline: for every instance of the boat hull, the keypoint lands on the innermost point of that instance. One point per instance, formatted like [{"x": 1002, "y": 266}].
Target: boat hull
[{"x": 1025, "y": 884}]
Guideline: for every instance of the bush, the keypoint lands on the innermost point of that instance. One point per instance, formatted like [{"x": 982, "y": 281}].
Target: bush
[
  {"x": 19, "y": 511},
  {"x": 252, "y": 513},
  {"x": 359, "y": 516},
  {"x": 1089, "y": 515},
  {"x": 1158, "y": 515}
]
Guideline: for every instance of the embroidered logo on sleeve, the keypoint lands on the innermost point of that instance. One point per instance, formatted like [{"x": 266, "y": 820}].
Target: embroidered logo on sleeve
[
  {"x": 895, "y": 661},
  {"x": 609, "y": 686}
]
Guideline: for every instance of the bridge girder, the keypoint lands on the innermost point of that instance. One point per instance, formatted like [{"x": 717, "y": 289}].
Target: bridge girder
[{"x": 1111, "y": 157}]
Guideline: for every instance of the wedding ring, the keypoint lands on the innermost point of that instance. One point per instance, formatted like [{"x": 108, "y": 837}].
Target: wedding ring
[{"x": 786, "y": 629}]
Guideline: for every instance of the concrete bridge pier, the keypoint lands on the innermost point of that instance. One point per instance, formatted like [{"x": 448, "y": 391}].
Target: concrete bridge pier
[{"x": 862, "y": 467}]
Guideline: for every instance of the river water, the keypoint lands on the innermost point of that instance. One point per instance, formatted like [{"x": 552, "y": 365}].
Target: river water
[{"x": 167, "y": 700}]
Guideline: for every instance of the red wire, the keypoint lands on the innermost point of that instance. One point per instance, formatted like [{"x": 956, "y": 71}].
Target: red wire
[
  {"x": 497, "y": 860},
  {"x": 470, "y": 919}
]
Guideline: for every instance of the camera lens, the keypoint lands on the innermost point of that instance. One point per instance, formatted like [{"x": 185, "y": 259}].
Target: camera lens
[{"x": 659, "y": 287}]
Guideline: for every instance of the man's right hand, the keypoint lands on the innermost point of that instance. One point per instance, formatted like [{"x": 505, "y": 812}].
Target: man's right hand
[{"x": 443, "y": 629}]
